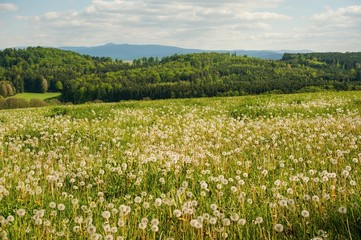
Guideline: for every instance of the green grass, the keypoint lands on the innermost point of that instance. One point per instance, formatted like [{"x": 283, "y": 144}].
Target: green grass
[
  {"x": 255, "y": 167},
  {"x": 41, "y": 96}
]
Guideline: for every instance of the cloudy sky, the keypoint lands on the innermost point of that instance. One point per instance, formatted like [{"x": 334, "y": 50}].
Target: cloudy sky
[{"x": 319, "y": 25}]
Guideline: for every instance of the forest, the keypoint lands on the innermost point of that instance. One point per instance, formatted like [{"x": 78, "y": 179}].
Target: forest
[{"x": 83, "y": 78}]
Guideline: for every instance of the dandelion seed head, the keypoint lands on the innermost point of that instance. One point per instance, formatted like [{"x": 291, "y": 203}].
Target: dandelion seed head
[
  {"x": 258, "y": 220},
  {"x": 278, "y": 227},
  {"x": 342, "y": 210},
  {"x": 61, "y": 207},
  {"x": 305, "y": 213},
  {"x": 154, "y": 228}
]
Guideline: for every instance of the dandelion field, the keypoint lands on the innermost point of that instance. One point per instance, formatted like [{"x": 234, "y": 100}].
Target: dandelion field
[{"x": 255, "y": 167}]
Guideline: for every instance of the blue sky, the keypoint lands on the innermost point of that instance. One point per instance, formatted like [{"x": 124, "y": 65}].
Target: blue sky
[{"x": 318, "y": 25}]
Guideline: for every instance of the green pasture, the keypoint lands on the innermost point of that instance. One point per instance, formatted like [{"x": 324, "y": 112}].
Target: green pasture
[
  {"x": 42, "y": 96},
  {"x": 254, "y": 167}
]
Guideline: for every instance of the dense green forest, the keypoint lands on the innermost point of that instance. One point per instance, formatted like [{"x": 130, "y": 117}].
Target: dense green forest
[{"x": 83, "y": 78}]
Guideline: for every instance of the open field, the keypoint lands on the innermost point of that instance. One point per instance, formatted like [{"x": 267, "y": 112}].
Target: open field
[
  {"x": 256, "y": 167},
  {"x": 42, "y": 96}
]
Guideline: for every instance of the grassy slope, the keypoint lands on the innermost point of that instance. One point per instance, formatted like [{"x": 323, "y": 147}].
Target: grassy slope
[
  {"x": 286, "y": 157},
  {"x": 41, "y": 96}
]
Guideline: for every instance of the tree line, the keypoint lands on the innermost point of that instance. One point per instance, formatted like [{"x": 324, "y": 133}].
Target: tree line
[{"x": 83, "y": 78}]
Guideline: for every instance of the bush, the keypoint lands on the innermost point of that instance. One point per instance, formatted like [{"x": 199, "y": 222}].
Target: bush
[
  {"x": 16, "y": 103},
  {"x": 6, "y": 89},
  {"x": 54, "y": 102},
  {"x": 2, "y": 103},
  {"x": 97, "y": 101},
  {"x": 37, "y": 103},
  {"x": 309, "y": 89}
]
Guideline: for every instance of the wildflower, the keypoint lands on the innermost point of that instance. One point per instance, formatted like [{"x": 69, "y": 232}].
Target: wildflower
[
  {"x": 283, "y": 203},
  {"x": 78, "y": 220},
  {"x": 213, "y": 206},
  {"x": 315, "y": 198},
  {"x": 213, "y": 220},
  {"x": 52, "y": 205},
  {"x": 305, "y": 213},
  {"x": 162, "y": 180},
  {"x": 234, "y": 217},
  {"x": 204, "y": 185},
  {"x": 278, "y": 227},
  {"x": 121, "y": 223},
  {"x": 154, "y": 228},
  {"x": 158, "y": 202},
  {"x": 154, "y": 221},
  {"x": 241, "y": 182},
  {"x": 106, "y": 214},
  {"x": 10, "y": 218},
  {"x": 306, "y": 197},
  {"x": 142, "y": 225},
  {"x": 241, "y": 221},
  {"x": 194, "y": 222},
  {"x": 47, "y": 223},
  {"x": 177, "y": 213},
  {"x": 226, "y": 221},
  {"x": 75, "y": 201},
  {"x": 91, "y": 229},
  {"x": 345, "y": 173},
  {"x": 61, "y": 207},
  {"x": 144, "y": 220},
  {"x": 137, "y": 199},
  {"x": 21, "y": 212},
  {"x": 108, "y": 237},
  {"x": 76, "y": 229},
  {"x": 38, "y": 221},
  {"x": 258, "y": 220},
  {"x": 342, "y": 210}
]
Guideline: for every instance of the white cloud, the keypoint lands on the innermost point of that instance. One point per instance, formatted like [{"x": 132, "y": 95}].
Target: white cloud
[
  {"x": 183, "y": 22},
  {"x": 28, "y": 18},
  {"x": 348, "y": 17},
  {"x": 8, "y": 7},
  {"x": 208, "y": 24}
]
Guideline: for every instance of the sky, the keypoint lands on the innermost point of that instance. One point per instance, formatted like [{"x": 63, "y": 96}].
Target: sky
[{"x": 317, "y": 25}]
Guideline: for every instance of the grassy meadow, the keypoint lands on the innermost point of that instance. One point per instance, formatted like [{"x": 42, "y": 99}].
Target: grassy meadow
[
  {"x": 42, "y": 96},
  {"x": 254, "y": 167}
]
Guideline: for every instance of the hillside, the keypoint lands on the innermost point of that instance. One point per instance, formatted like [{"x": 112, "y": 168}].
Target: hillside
[
  {"x": 276, "y": 167},
  {"x": 83, "y": 78},
  {"x": 26, "y": 68},
  {"x": 131, "y": 51}
]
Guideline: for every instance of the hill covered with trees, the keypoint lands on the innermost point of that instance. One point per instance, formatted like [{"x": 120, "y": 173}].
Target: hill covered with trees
[{"x": 83, "y": 78}]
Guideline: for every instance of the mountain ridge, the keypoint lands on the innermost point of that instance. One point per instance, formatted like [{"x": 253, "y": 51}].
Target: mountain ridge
[{"x": 127, "y": 51}]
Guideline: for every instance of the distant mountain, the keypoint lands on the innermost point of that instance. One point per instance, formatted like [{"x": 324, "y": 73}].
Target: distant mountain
[{"x": 131, "y": 51}]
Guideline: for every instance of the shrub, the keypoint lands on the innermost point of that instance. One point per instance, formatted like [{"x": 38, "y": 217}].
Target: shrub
[
  {"x": 2, "y": 103},
  {"x": 54, "y": 101},
  {"x": 16, "y": 103},
  {"x": 6, "y": 89},
  {"x": 37, "y": 103}
]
